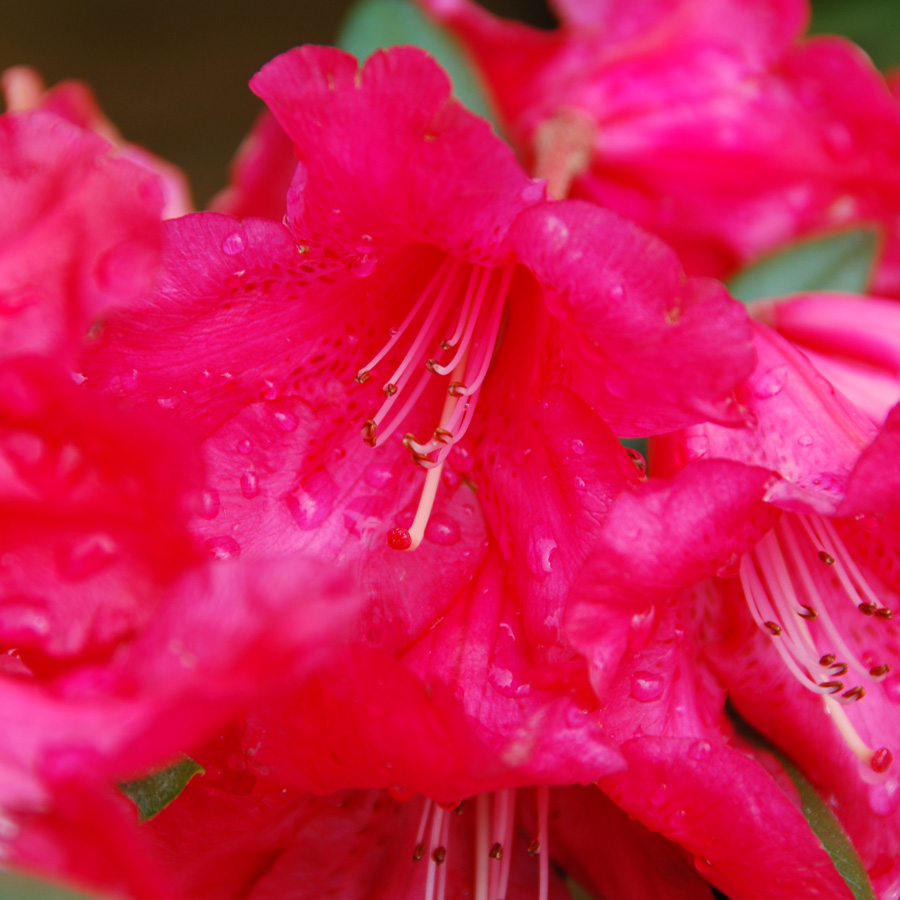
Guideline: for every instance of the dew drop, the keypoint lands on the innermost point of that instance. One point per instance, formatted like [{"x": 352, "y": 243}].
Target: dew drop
[
  {"x": 86, "y": 557},
  {"x": 658, "y": 797},
  {"x": 646, "y": 687},
  {"x": 233, "y": 244},
  {"x": 250, "y": 485},
  {"x": 805, "y": 440},
  {"x": 884, "y": 799},
  {"x": 891, "y": 686},
  {"x": 209, "y": 504},
  {"x": 730, "y": 567},
  {"x": 577, "y": 718},
  {"x": 379, "y": 475},
  {"x": 128, "y": 381},
  {"x": 362, "y": 266},
  {"x": 617, "y": 292},
  {"x": 461, "y": 458},
  {"x": 285, "y": 421},
  {"x": 450, "y": 478},
  {"x": 244, "y": 446},
  {"x": 700, "y": 750},
  {"x": 534, "y": 191},
  {"x": 576, "y": 445},
  {"x": 616, "y": 384},
  {"x": 223, "y": 547},
  {"x": 579, "y": 484},
  {"x": 868, "y": 522},
  {"x": 441, "y": 529},
  {"x": 401, "y": 795},
  {"x": 696, "y": 446},
  {"x": 269, "y": 391},
  {"x": 638, "y": 460},
  {"x": 770, "y": 383}
]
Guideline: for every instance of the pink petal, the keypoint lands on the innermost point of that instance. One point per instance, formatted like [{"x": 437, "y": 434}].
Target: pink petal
[
  {"x": 803, "y": 429},
  {"x": 648, "y": 347},
  {"x": 92, "y": 512},
  {"x": 443, "y": 175},
  {"x": 80, "y": 233}
]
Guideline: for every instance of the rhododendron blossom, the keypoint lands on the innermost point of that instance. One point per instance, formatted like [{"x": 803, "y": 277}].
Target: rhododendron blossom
[
  {"x": 818, "y": 572},
  {"x": 423, "y": 305},
  {"x": 710, "y": 122}
]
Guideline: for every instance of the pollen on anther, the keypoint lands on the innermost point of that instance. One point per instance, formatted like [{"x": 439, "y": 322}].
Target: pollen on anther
[
  {"x": 827, "y": 660},
  {"x": 826, "y": 558},
  {"x": 439, "y": 854},
  {"x": 868, "y": 609},
  {"x": 443, "y": 435},
  {"x": 879, "y": 671},
  {"x": 774, "y": 628},
  {"x": 496, "y": 851},
  {"x": 807, "y": 612},
  {"x": 855, "y": 693},
  {"x": 390, "y": 389},
  {"x": 455, "y": 388},
  {"x": 419, "y": 852},
  {"x": 399, "y": 539},
  {"x": 832, "y": 687},
  {"x": 368, "y": 432},
  {"x": 534, "y": 848},
  {"x": 839, "y": 669},
  {"x": 363, "y": 376},
  {"x": 884, "y": 613},
  {"x": 430, "y": 364}
]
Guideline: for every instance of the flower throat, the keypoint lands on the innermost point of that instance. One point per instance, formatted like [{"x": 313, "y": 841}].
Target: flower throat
[{"x": 450, "y": 332}]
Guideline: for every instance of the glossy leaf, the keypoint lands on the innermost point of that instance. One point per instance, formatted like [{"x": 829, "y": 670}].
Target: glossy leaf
[
  {"x": 372, "y": 24},
  {"x": 155, "y": 792},
  {"x": 837, "y": 262}
]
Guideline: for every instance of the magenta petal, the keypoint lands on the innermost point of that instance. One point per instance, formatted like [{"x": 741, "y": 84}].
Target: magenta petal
[
  {"x": 803, "y": 429},
  {"x": 92, "y": 511},
  {"x": 80, "y": 233},
  {"x": 874, "y": 485},
  {"x": 427, "y": 171},
  {"x": 649, "y": 348}
]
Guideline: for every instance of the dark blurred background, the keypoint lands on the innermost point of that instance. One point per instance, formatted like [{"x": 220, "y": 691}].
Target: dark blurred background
[{"x": 173, "y": 75}]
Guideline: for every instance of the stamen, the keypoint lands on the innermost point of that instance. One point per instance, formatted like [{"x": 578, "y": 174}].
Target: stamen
[
  {"x": 543, "y": 805},
  {"x": 436, "y": 821},
  {"x": 482, "y": 854}
]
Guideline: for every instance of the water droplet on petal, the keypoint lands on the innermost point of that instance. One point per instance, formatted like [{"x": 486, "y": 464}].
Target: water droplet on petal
[
  {"x": 401, "y": 795},
  {"x": 285, "y": 421},
  {"x": 617, "y": 292},
  {"x": 86, "y": 557},
  {"x": 362, "y": 266},
  {"x": 441, "y": 529},
  {"x": 313, "y": 501},
  {"x": 646, "y": 687},
  {"x": 576, "y": 445},
  {"x": 249, "y": 485},
  {"x": 233, "y": 244},
  {"x": 730, "y": 567},
  {"x": 658, "y": 797},
  {"x": 223, "y": 547},
  {"x": 805, "y": 440},
  {"x": 868, "y": 522},
  {"x": 616, "y": 384},
  {"x": 209, "y": 504},
  {"x": 891, "y": 687},
  {"x": 579, "y": 484},
  {"x": 884, "y": 799},
  {"x": 534, "y": 191},
  {"x": 269, "y": 391},
  {"x": 540, "y": 553},
  {"x": 697, "y": 446},
  {"x": 770, "y": 383},
  {"x": 244, "y": 446},
  {"x": 379, "y": 475},
  {"x": 577, "y": 718},
  {"x": 700, "y": 750},
  {"x": 461, "y": 457},
  {"x": 450, "y": 478}
]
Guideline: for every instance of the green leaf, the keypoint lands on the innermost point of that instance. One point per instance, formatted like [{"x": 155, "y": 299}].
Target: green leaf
[
  {"x": 830, "y": 832},
  {"x": 14, "y": 886},
  {"x": 155, "y": 792},
  {"x": 372, "y": 24},
  {"x": 837, "y": 262},
  {"x": 821, "y": 819}
]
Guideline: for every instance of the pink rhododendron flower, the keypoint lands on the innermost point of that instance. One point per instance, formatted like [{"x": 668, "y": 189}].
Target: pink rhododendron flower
[
  {"x": 74, "y": 101},
  {"x": 818, "y": 576},
  {"x": 80, "y": 233},
  {"x": 423, "y": 287},
  {"x": 710, "y": 122}
]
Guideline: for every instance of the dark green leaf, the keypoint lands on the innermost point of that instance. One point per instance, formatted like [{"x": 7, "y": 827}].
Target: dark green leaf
[
  {"x": 838, "y": 262},
  {"x": 372, "y": 24},
  {"x": 830, "y": 832},
  {"x": 819, "y": 815},
  {"x": 14, "y": 886},
  {"x": 155, "y": 792}
]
